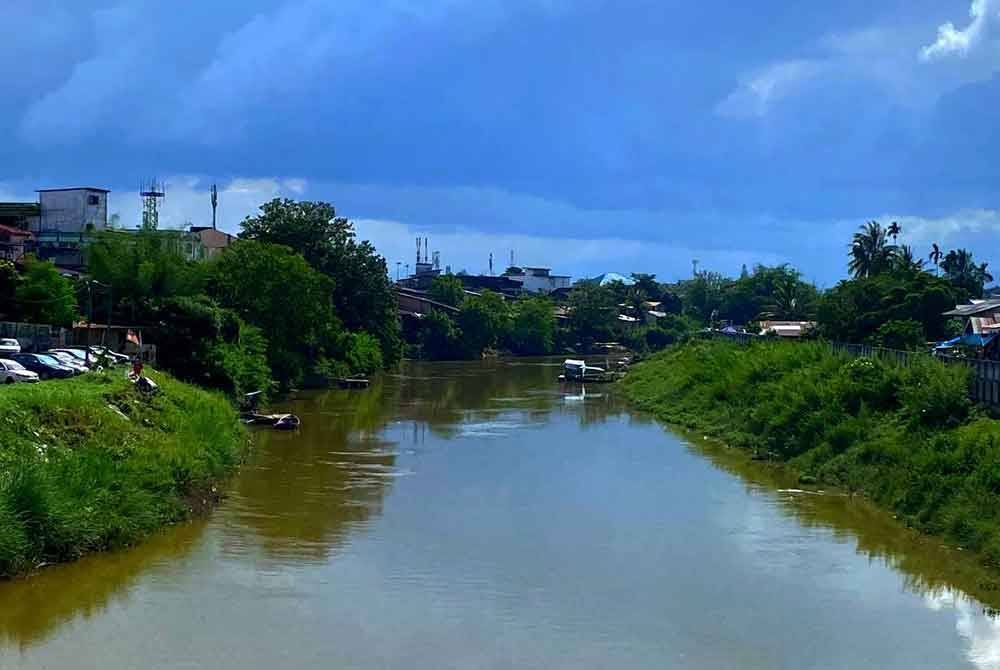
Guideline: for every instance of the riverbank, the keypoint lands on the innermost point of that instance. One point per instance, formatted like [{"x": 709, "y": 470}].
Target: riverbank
[
  {"x": 87, "y": 464},
  {"x": 908, "y": 438}
]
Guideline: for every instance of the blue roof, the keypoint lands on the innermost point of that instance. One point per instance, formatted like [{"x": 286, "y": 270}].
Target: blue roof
[
  {"x": 971, "y": 340},
  {"x": 611, "y": 277}
]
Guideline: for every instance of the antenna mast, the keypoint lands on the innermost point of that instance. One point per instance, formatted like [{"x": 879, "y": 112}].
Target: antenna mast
[
  {"x": 151, "y": 194},
  {"x": 215, "y": 203}
]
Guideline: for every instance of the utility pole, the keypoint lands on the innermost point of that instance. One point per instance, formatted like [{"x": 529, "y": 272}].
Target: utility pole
[{"x": 398, "y": 263}]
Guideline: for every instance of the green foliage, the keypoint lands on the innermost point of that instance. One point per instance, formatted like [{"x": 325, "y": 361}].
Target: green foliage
[
  {"x": 45, "y": 296},
  {"x": 447, "y": 289},
  {"x": 484, "y": 320},
  {"x": 904, "y": 334},
  {"x": 86, "y": 464},
  {"x": 362, "y": 353},
  {"x": 533, "y": 327},
  {"x": 592, "y": 314},
  {"x": 908, "y": 437},
  {"x": 275, "y": 289},
  {"x": 963, "y": 272},
  {"x": 854, "y": 310},
  {"x": 362, "y": 293},
  {"x": 871, "y": 254},
  {"x": 9, "y": 280},
  {"x": 439, "y": 338}
]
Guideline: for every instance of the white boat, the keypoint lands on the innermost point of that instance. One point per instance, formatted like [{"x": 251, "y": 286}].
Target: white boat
[{"x": 575, "y": 370}]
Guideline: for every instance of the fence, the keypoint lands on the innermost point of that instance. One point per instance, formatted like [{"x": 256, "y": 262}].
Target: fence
[
  {"x": 984, "y": 387},
  {"x": 32, "y": 336}
]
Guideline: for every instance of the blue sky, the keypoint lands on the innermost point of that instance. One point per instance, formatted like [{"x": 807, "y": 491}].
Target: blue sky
[{"x": 588, "y": 135}]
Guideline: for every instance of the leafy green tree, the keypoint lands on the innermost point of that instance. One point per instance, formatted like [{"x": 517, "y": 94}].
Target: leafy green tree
[
  {"x": 274, "y": 288},
  {"x": 533, "y": 327},
  {"x": 447, "y": 289},
  {"x": 45, "y": 296},
  {"x": 871, "y": 253},
  {"x": 704, "y": 295},
  {"x": 483, "y": 320},
  {"x": 593, "y": 313},
  {"x": 9, "y": 280},
  {"x": 906, "y": 334},
  {"x": 647, "y": 285},
  {"x": 363, "y": 295},
  {"x": 961, "y": 269},
  {"x": 439, "y": 338},
  {"x": 905, "y": 262}
]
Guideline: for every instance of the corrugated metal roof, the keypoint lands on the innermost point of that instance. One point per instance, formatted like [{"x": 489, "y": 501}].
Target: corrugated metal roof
[{"x": 983, "y": 307}]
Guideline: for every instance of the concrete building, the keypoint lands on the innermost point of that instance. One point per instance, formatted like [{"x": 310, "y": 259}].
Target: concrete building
[
  {"x": 212, "y": 241},
  {"x": 13, "y": 243},
  {"x": 72, "y": 210},
  {"x": 537, "y": 280}
]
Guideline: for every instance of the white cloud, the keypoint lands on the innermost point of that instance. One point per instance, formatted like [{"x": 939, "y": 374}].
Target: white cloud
[
  {"x": 187, "y": 201},
  {"x": 939, "y": 229},
  {"x": 954, "y": 42},
  {"x": 755, "y": 95},
  {"x": 980, "y": 630}
]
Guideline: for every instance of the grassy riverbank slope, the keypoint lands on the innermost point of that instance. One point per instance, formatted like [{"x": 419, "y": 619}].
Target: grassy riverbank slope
[
  {"x": 87, "y": 464},
  {"x": 906, "y": 437}
]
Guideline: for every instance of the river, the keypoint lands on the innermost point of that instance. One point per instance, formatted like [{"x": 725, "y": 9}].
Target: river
[{"x": 477, "y": 515}]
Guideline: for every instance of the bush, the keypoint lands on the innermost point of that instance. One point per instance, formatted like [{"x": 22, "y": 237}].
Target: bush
[{"x": 906, "y": 334}]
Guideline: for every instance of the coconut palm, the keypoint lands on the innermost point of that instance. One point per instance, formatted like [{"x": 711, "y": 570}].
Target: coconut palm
[
  {"x": 904, "y": 261},
  {"x": 963, "y": 272},
  {"x": 871, "y": 253},
  {"x": 935, "y": 257},
  {"x": 894, "y": 230}
]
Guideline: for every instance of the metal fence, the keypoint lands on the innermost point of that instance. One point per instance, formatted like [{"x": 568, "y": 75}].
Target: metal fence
[
  {"x": 33, "y": 336},
  {"x": 985, "y": 382}
]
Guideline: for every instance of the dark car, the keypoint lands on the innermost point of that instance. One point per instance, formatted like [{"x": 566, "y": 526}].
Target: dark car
[{"x": 46, "y": 366}]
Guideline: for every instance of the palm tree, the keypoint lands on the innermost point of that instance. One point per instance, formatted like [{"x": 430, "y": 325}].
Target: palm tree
[
  {"x": 962, "y": 271},
  {"x": 894, "y": 230},
  {"x": 983, "y": 275},
  {"x": 905, "y": 261},
  {"x": 935, "y": 257},
  {"x": 871, "y": 253}
]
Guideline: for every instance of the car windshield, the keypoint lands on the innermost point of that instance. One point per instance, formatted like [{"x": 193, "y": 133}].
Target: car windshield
[
  {"x": 8, "y": 343},
  {"x": 12, "y": 365},
  {"x": 50, "y": 360}
]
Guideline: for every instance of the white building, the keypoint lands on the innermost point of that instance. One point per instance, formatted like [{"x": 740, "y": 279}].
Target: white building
[
  {"x": 537, "y": 280},
  {"x": 72, "y": 210}
]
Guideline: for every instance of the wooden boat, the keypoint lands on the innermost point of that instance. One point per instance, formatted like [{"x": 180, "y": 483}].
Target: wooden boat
[
  {"x": 353, "y": 383},
  {"x": 579, "y": 371},
  {"x": 276, "y": 421}
]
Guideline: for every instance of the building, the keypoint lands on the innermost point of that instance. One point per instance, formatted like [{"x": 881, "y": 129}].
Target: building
[
  {"x": 72, "y": 210},
  {"x": 212, "y": 241},
  {"x": 980, "y": 330},
  {"x": 611, "y": 278},
  {"x": 537, "y": 280},
  {"x": 790, "y": 329},
  {"x": 13, "y": 243}
]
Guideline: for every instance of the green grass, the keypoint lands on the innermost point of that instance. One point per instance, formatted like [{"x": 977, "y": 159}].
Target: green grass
[
  {"x": 908, "y": 438},
  {"x": 86, "y": 464}
]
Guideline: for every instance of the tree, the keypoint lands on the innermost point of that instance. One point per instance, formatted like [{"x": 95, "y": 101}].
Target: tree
[
  {"x": 9, "y": 280},
  {"x": 274, "y": 288},
  {"x": 483, "y": 320},
  {"x": 935, "y": 256},
  {"x": 592, "y": 313},
  {"x": 871, "y": 253},
  {"x": 45, "y": 296},
  {"x": 894, "y": 230},
  {"x": 704, "y": 295},
  {"x": 363, "y": 295},
  {"x": 961, "y": 269},
  {"x": 906, "y": 334},
  {"x": 533, "y": 327},
  {"x": 439, "y": 339},
  {"x": 904, "y": 261},
  {"x": 647, "y": 285},
  {"x": 447, "y": 289}
]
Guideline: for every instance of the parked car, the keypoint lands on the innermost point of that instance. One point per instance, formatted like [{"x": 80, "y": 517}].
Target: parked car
[
  {"x": 12, "y": 372},
  {"x": 9, "y": 346},
  {"x": 69, "y": 360},
  {"x": 46, "y": 366},
  {"x": 78, "y": 356},
  {"x": 113, "y": 356}
]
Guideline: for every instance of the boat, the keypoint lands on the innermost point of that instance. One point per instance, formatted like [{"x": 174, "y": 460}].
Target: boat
[
  {"x": 276, "y": 421},
  {"x": 578, "y": 371},
  {"x": 353, "y": 383}
]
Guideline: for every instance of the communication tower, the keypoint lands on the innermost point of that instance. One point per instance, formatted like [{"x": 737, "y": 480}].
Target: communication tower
[{"x": 152, "y": 193}]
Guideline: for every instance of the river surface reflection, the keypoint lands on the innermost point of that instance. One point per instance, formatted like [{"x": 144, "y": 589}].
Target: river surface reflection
[{"x": 478, "y": 515}]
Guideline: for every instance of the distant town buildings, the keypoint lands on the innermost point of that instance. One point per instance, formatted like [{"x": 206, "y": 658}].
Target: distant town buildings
[{"x": 537, "y": 280}]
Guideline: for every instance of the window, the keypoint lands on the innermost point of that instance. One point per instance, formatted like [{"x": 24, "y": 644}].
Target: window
[{"x": 93, "y": 200}]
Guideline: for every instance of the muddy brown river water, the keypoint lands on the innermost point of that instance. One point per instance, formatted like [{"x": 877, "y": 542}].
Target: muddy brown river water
[{"x": 478, "y": 515}]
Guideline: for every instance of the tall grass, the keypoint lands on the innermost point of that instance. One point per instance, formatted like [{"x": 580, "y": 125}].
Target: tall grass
[
  {"x": 87, "y": 464},
  {"x": 909, "y": 438}
]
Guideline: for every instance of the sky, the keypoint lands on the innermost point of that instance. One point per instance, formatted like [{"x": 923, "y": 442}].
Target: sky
[{"x": 583, "y": 135}]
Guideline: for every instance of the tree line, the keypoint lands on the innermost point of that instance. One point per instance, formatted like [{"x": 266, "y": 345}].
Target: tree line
[{"x": 296, "y": 298}]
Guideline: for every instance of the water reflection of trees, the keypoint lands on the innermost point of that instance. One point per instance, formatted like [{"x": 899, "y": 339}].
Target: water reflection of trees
[
  {"x": 303, "y": 493},
  {"x": 32, "y": 609}
]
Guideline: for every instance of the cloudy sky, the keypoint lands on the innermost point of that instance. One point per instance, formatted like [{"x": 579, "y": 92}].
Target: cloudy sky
[{"x": 588, "y": 135}]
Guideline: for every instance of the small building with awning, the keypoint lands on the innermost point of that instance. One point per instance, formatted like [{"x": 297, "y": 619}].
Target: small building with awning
[{"x": 982, "y": 325}]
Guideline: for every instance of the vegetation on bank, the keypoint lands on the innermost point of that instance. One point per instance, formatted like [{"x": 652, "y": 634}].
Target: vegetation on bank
[
  {"x": 89, "y": 464},
  {"x": 907, "y": 437}
]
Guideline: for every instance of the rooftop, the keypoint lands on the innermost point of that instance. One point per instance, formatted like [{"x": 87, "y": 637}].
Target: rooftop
[
  {"x": 976, "y": 308},
  {"x": 75, "y": 188}
]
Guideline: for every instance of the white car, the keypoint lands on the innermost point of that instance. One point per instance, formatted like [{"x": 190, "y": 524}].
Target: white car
[
  {"x": 12, "y": 372},
  {"x": 9, "y": 346}
]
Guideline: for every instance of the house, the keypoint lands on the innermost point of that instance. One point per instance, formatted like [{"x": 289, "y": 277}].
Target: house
[
  {"x": 213, "y": 241},
  {"x": 790, "y": 329},
  {"x": 13, "y": 243},
  {"x": 537, "y": 280},
  {"x": 982, "y": 325}
]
